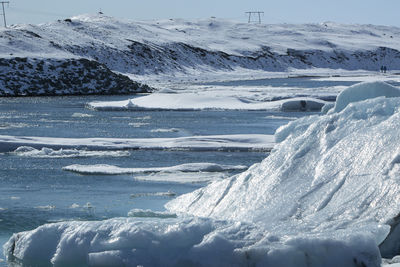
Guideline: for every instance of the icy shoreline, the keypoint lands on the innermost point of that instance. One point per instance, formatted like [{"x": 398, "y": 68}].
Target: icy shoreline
[{"x": 328, "y": 195}]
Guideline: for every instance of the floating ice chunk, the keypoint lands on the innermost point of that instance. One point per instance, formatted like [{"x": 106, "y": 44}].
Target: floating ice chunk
[
  {"x": 150, "y": 214},
  {"x": 188, "y": 167},
  {"x": 170, "y": 130},
  {"x": 75, "y": 206},
  {"x": 157, "y": 194},
  {"x": 181, "y": 177},
  {"x": 45, "y": 152},
  {"x": 363, "y": 91},
  {"x": 239, "y": 142},
  {"x": 81, "y": 115},
  {"x": 195, "y": 101},
  {"x": 138, "y": 124},
  {"x": 47, "y": 207},
  {"x": 183, "y": 242}
]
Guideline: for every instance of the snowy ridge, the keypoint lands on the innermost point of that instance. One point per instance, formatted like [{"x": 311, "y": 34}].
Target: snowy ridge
[{"x": 200, "y": 46}]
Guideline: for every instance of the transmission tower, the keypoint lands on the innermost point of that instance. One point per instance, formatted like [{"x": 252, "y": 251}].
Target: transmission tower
[
  {"x": 4, "y": 12},
  {"x": 258, "y": 13}
]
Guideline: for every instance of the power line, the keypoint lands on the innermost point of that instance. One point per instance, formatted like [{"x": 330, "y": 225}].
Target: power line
[
  {"x": 255, "y": 13},
  {"x": 4, "y": 12}
]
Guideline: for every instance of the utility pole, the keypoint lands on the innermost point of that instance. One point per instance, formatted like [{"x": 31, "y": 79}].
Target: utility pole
[
  {"x": 255, "y": 13},
  {"x": 4, "y": 12}
]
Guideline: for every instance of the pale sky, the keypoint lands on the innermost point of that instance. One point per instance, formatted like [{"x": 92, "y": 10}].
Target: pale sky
[{"x": 380, "y": 12}]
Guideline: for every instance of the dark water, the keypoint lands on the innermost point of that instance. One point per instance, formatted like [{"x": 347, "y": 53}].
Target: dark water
[{"x": 34, "y": 191}]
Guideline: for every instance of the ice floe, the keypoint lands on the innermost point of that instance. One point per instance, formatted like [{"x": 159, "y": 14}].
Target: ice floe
[
  {"x": 81, "y": 115},
  {"x": 150, "y": 214},
  {"x": 181, "y": 177},
  {"x": 195, "y": 101},
  {"x": 45, "y": 152},
  {"x": 161, "y": 130},
  {"x": 188, "y": 167},
  {"x": 156, "y": 194},
  {"x": 244, "y": 142}
]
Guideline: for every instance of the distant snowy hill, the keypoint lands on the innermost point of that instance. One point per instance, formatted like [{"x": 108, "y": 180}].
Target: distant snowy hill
[{"x": 201, "y": 46}]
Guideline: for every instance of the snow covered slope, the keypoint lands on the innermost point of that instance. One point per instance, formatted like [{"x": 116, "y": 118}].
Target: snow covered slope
[
  {"x": 168, "y": 46},
  {"x": 328, "y": 195}
]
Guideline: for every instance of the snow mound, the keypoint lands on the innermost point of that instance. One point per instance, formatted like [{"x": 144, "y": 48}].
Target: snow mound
[
  {"x": 188, "y": 167},
  {"x": 363, "y": 91},
  {"x": 45, "y": 152}
]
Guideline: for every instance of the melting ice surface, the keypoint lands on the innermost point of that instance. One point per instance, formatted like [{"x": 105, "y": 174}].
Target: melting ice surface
[{"x": 328, "y": 195}]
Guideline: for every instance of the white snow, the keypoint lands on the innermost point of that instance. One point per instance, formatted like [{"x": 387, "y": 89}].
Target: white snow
[
  {"x": 196, "y": 101},
  {"x": 327, "y": 195},
  {"x": 245, "y": 142},
  {"x": 45, "y": 152},
  {"x": 188, "y": 167}
]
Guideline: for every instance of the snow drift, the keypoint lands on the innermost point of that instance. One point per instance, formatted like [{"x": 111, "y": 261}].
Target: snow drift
[{"x": 328, "y": 195}]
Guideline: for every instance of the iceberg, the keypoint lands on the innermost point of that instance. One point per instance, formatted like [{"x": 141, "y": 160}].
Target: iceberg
[
  {"x": 327, "y": 195},
  {"x": 363, "y": 91}
]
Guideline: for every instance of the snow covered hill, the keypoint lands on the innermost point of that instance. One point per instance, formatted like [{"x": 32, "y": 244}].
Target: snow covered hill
[{"x": 202, "y": 46}]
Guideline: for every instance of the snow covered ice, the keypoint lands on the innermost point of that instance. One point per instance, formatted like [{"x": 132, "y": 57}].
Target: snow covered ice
[{"x": 328, "y": 195}]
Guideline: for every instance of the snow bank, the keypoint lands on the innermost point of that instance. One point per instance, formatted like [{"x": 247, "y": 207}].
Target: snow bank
[
  {"x": 45, "y": 152},
  {"x": 197, "y": 101},
  {"x": 239, "y": 142},
  {"x": 188, "y": 167}
]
